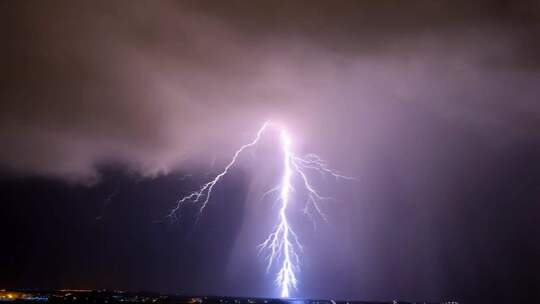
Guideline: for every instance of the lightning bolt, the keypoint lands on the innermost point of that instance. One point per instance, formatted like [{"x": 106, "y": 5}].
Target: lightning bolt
[{"x": 282, "y": 246}]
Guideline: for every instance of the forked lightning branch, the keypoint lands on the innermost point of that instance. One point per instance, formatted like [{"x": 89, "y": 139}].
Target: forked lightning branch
[{"x": 282, "y": 248}]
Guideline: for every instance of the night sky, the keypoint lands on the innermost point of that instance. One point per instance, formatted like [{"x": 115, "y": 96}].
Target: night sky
[{"x": 112, "y": 110}]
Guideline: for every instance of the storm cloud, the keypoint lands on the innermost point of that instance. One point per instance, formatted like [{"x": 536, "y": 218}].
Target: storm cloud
[{"x": 151, "y": 84}]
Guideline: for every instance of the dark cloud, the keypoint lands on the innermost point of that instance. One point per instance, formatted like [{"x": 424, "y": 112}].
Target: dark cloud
[{"x": 150, "y": 83}]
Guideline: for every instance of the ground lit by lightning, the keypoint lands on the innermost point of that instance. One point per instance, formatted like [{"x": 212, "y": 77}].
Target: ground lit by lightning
[{"x": 282, "y": 247}]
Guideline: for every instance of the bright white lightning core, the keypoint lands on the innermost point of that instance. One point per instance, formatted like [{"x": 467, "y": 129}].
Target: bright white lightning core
[{"x": 282, "y": 246}]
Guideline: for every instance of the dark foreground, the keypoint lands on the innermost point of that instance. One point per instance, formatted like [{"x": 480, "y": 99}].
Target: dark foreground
[{"x": 122, "y": 297}]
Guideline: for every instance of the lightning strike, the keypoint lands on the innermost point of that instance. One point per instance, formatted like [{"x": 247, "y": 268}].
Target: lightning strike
[{"x": 282, "y": 246}]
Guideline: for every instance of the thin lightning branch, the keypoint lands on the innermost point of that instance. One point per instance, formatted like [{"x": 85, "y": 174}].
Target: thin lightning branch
[
  {"x": 282, "y": 246},
  {"x": 204, "y": 193}
]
